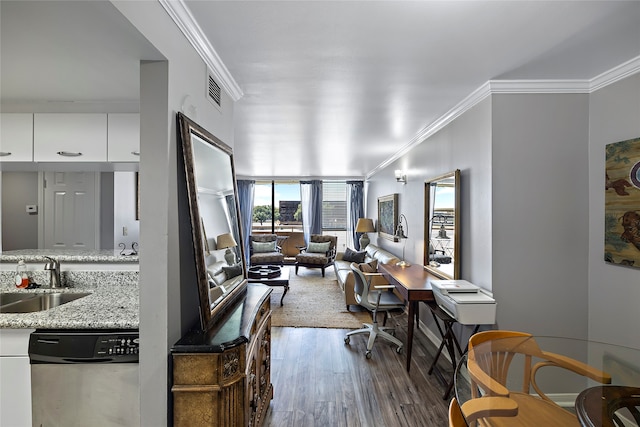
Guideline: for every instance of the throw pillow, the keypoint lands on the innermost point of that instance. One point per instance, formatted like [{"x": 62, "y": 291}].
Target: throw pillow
[
  {"x": 353, "y": 256},
  {"x": 263, "y": 247},
  {"x": 232, "y": 271},
  {"x": 320, "y": 248},
  {"x": 369, "y": 267}
]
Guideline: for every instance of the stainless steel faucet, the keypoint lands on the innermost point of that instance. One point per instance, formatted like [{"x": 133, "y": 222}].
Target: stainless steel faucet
[{"x": 54, "y": 269}]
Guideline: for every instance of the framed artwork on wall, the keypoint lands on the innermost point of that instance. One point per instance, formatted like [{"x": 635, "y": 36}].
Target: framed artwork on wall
[
  {"x": 622, "y": 203},
  {"x": 388, "y": 216}
]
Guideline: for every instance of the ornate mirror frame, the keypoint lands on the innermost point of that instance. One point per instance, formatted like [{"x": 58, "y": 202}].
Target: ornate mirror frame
[
  {"x": 442, "y": 225},
  {"x": 214, "y": 211}
]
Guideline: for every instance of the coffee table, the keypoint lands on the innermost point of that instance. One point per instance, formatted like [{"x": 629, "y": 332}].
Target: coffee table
[{"x": 281, "y": 280}]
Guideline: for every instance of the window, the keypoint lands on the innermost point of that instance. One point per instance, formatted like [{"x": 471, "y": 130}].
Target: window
[
  {"x": 276, "y": 207},
  {"x": 334, "y": 205}
]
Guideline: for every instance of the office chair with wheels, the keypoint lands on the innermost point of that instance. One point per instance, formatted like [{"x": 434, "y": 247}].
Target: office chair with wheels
[{"x": 377, "y": 300}]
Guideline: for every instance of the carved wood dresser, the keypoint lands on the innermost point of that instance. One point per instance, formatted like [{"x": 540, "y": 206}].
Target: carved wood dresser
[{"x": 222, "y": 377}]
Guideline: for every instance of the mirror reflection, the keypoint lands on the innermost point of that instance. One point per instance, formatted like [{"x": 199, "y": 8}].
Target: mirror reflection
[
  {"x": 442, "y": 218},
  {"x": 214, "y": 218}
]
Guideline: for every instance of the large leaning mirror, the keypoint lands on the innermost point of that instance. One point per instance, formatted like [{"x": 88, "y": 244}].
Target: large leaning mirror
[
  {"x": 442, "y": 225},
  {"x": 215, "y": 223}
]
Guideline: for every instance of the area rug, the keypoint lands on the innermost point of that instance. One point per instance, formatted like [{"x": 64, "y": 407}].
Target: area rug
[{"x": 314, "y": 301}]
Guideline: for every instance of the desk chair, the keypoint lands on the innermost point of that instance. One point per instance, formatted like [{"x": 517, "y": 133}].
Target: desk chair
[
  {"x": 381, "y": 299},
  {"x": 490, "y": 356}
]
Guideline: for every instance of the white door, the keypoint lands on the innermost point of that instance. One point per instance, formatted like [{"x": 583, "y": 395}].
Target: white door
[{"x": 71, "y": 210}]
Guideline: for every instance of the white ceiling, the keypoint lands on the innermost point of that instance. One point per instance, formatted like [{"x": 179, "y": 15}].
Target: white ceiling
[{"x": 331, "y": 89}]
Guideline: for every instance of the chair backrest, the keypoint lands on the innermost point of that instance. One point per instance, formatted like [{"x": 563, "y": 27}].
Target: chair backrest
[
  {"x": 361, "y": 288},
  {"x": 493, "y": 351},
  {"x": 321, "y": 238},
  {"x": 262, "y": 238}
]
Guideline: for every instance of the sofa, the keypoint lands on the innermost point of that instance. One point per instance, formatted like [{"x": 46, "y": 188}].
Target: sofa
[{"x": 345, "y": 275}]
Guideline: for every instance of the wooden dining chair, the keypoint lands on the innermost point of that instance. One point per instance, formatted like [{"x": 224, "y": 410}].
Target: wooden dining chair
[
  {"x": 490, "y": 356},
  {"x": 480, "y": 408}
]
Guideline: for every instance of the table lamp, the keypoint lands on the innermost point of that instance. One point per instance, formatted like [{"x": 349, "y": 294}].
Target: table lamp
[
  {"x": 226, "y": 241},
  {"x": 400, "y": 234},
  {"x": 364, "y": 226}
]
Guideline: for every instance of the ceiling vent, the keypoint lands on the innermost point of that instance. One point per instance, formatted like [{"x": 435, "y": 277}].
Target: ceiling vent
[{"x": 214, "y": 93}]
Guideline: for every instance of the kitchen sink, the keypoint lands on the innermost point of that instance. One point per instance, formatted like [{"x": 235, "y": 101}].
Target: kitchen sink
[
  {"x": 30, "y": 303},
  {"x": 11, "y": 297}
]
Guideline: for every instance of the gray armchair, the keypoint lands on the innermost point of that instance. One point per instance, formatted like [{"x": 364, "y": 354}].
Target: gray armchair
[
  {"x": 319, "y": 253},
  {"x": 264, "y": 250},
  {"x": 381, "y": 299}
]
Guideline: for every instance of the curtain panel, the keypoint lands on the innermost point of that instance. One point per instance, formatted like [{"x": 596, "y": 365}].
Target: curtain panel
[
  {"x": 311, "y": 195},
  {"x": 355, "y": 210},
  {"x": 245, "y": 200}
]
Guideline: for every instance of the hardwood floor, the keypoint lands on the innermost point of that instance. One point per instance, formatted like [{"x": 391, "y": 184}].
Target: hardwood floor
[{"x": 320, "y": 381}]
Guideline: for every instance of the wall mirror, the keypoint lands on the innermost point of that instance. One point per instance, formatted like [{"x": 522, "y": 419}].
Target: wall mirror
[
  {"x": 215, "y": 223},
  {"x": 442, "y": 225}
]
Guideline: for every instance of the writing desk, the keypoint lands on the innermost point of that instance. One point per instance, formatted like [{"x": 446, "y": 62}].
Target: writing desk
[{"x": 414, "y": 284}]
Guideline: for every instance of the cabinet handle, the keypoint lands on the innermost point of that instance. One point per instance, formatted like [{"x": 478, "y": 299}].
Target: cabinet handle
[
  {"x": 135, "y": 153},
  {"x": 5, "y": 153},
  {"x": 69, "y": 154}
]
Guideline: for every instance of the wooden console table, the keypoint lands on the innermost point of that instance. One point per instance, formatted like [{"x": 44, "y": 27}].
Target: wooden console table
[
  {"x": 222, "y": 377},
  {"x": 414, "y": 284}
]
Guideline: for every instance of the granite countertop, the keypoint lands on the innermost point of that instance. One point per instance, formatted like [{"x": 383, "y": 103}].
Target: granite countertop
[
  {"x": 113, "y": 303},
  {"x": 69, "y": 255}
]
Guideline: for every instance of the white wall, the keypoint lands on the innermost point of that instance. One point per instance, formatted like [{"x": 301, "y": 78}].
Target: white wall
[
  {"x": 540, "y": 212},
  {"x": 163, "y": 88},
  {"x": 465, "y": 144},
  {"x": 614, "y": 291}
]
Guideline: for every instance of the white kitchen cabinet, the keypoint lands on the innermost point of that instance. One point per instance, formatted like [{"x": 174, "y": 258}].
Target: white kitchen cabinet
[
  {"x": 123, "y": 137},
  {"x": 15, "y": 378},
  {"x": 64, "y": 137},
  {"x": 16, "y": 137}
]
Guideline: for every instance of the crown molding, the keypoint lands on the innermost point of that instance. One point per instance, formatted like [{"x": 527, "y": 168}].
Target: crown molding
[
  {"x": 182, "y": 17},
  {"x": 620, "y": 72},
  {"x": 514, "y": 87}
]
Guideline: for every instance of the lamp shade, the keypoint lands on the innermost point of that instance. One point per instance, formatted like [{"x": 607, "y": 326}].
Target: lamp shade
[
  {"x": 226, "y": 241},
  {"x": 365, "y": 225}
]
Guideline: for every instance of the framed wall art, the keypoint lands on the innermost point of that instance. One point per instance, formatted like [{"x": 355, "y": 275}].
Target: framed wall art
[
  {"x": 388, "y": 216},
  {"x": 622, "y": 203}
]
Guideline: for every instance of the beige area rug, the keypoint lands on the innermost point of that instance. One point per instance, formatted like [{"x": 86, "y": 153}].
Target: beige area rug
[{"x": 314, "y": 301}]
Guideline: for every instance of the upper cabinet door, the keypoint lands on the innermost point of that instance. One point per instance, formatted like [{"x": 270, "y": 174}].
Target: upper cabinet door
[
  {"x": 123, "y": 137},
  {"x": 16, "y": 137},
  {"x": 62, "y": 137}
]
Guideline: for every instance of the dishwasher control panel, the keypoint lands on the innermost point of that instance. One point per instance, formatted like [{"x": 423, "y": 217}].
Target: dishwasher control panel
[
  {"x": 84, "y": 346},
  {"x": 117, "y": 345}
]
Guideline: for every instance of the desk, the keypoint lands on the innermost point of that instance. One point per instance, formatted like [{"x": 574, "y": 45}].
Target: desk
[
  {"x": 413, "y": 283},
  {"x": 563, "y": 387}
]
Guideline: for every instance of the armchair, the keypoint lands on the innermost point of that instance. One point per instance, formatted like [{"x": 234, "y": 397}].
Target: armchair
[
  {"x": 319, "y": 253},
  {"x": 264, "y": 250}
]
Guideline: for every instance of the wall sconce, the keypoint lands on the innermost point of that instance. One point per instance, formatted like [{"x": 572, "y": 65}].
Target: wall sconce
[{"x": 401, "y": 176}]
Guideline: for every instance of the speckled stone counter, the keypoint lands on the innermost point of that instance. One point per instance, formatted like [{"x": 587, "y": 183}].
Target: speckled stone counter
[
  {"x": 67, "y": 255},
  {"x": 113, "y": 303}
]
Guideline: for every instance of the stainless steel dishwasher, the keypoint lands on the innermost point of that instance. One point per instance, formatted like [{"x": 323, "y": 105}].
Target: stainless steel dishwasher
[{"x": 81, "y": 378}]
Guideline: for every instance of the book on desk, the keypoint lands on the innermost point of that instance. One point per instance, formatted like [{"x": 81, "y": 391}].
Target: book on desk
[{"x": 465, "y": 302}]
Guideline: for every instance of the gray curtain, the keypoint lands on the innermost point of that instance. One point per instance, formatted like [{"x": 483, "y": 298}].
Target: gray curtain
[
  {"x": 355, "y": 209},
  {"x": 311, "y": 195},
  {"x": 245, "y": 200}
]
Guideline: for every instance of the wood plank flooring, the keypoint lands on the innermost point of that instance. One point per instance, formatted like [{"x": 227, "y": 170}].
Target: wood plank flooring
[{"x": 320, "y": 381}]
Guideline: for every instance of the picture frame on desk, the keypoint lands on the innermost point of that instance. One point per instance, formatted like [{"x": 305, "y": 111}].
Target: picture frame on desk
[{"x": 388, "y": 216}]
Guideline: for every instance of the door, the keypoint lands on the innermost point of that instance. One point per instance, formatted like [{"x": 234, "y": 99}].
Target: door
[{"x": 71, "y": 210}]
